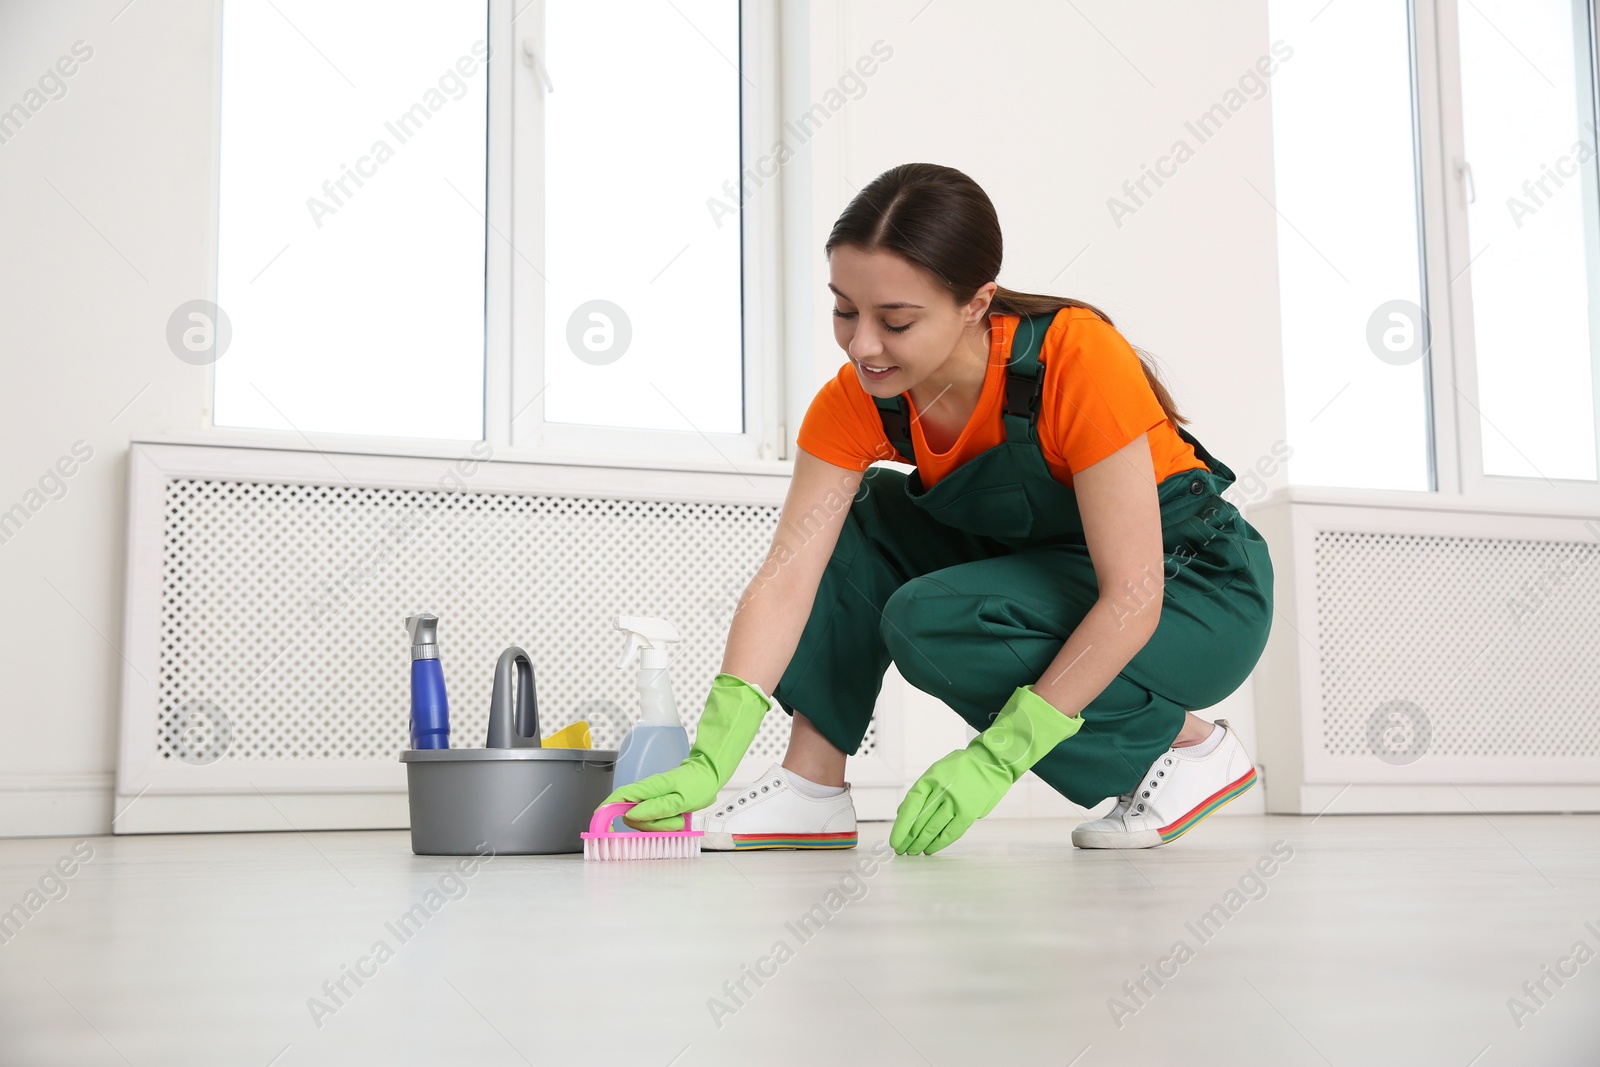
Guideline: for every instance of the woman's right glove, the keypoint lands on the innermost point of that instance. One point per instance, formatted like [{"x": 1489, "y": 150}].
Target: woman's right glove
[{"x": 732, "y": 715}]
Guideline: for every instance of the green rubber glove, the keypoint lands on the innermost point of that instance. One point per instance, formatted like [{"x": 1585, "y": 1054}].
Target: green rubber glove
[
  {"x": 965, "y": 786},
  {"x": 732, "y": 715}
]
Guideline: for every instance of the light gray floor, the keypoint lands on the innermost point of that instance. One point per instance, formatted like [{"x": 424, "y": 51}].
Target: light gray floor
[{"x": 1375, "y": 940}]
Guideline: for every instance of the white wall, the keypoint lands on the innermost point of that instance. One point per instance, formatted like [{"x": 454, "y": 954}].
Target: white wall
[
  {"x": 104, "y": 230},
  {"x": 103, "y": 196}
]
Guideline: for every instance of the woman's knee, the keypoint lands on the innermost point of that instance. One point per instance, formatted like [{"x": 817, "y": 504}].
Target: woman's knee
[
  {"x": 953, "y": 645},
  {"x": 917, "y": 633}
]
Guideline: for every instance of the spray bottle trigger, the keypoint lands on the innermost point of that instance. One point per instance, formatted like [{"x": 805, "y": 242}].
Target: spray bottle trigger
[{"x": 634, "y": 642}]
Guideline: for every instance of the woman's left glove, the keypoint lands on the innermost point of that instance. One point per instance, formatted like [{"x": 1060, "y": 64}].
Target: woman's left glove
[{"x": 965, "y": 786}]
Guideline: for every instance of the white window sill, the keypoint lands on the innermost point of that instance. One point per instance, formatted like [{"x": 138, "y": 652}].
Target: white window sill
[{"x": 421, "y": 448}]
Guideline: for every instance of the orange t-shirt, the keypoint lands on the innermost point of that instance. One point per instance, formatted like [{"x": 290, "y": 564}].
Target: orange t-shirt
[{"x": 1095, "y": 400}]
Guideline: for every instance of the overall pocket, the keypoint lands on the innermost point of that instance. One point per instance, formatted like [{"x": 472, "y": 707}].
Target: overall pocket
[
  {"x": 1205, "y": 553},
  {"x": 999, "y": 511}
]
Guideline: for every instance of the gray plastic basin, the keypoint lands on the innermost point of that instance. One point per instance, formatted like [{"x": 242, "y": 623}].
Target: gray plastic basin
[{"x": 514, "y": 801}]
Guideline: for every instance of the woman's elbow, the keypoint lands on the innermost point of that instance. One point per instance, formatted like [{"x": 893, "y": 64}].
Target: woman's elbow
[{"x": 1135, "y": 602}]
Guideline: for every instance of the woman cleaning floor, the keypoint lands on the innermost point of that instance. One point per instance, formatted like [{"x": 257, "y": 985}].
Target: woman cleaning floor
[{"x": 1060, "y": 568}]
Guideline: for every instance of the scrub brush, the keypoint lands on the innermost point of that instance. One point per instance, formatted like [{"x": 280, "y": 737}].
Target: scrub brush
[{"x": 602, "y": 844}]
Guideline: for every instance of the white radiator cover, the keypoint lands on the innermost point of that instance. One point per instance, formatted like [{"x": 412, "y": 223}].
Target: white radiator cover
[
  {"x": 1429, "y": 654},
  {"x": 267, "y": 667}
]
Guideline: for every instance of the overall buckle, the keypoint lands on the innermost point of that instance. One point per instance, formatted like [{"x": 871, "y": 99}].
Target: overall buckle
[{"x": 1022, "y": 394}]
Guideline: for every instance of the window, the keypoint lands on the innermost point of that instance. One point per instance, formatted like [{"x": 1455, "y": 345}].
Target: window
[
  {"x": 350, "y": 252},
  {"x": 523, "y": 222},
  {"x": 1439, "y": 240},
  {"x": 642, "y": 239},
  {"x": 1528, "y": 117},
  {"x": 1349, "y": 250}
]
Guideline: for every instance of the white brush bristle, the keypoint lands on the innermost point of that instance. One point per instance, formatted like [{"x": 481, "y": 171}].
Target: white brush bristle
[{"x": 640, "y": 847}]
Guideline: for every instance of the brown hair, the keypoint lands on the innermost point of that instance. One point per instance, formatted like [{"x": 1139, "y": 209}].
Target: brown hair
[{"x": 942, "y": 221}]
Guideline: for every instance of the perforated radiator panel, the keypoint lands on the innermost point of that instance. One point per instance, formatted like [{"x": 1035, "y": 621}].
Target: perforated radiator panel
[
  {"x": 282, "y": 608},
  {"x": 1458, "y": 646}
]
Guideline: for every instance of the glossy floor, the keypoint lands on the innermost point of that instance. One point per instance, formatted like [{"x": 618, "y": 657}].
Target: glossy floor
[{"x": 1255, "y": 940}]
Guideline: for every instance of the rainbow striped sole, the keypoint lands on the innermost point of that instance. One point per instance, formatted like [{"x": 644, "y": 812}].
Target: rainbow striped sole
[
  {"x": 746, "y": 842},
  {"x": 1176, "y": 829}
]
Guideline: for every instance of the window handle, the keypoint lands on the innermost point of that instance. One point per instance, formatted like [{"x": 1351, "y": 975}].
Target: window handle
[
  {"x": 1464, "y": 172},
  {"x": 531, "y": 58}
]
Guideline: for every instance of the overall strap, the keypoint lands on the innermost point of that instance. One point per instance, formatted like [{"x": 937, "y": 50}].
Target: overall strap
[
  {"x": 1219, "y": 468},
  {"x": 1025, "y": 378},
  {"x": 1023, "y": 386},
  {"x": 896, "y": 418}
]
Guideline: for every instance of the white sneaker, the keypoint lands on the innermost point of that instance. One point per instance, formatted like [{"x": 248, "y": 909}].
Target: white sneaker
[
  {"x": 1176, "y": 793},
  {"x": 771, "y": 813}
]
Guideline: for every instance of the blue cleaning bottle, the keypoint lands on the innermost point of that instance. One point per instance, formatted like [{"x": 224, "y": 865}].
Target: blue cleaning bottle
[
  {"x": 658, "y": 742},
  {"x": 430, "y": 711}
]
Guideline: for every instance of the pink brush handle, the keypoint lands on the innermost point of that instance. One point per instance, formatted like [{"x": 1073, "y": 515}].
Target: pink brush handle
[{"x": 601, "y": 822}]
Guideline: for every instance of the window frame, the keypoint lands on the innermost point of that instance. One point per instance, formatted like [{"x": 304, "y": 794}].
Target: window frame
[
  {"x": 513, "y": 306},
  {"x": 1456, "y": 433},
  {"x": 514, "y": 416}
]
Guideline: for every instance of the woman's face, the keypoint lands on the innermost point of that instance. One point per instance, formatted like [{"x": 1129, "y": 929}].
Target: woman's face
[{"x": 890, "y": 314}]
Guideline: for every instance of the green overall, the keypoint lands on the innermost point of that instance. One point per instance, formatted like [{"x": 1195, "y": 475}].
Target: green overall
[{"x": 973, "y": 586}]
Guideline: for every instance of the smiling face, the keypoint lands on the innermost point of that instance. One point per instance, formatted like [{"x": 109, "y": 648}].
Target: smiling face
[{"x": 893, "y": 315}]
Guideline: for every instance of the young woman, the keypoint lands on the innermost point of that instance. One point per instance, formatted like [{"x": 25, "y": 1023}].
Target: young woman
[{"x": 1060, "y": 568}]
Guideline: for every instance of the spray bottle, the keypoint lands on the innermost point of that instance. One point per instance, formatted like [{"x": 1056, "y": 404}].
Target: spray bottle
[
  {"x": 430, "y": 711},
  {"x": 658, "y": 742}
]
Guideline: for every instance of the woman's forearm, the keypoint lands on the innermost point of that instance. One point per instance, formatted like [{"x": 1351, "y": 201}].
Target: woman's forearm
[{"x": 767, "y": 625}]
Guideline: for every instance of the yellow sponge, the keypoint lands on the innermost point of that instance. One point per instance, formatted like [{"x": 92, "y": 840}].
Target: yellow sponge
[{"x": 574, "y": 736}]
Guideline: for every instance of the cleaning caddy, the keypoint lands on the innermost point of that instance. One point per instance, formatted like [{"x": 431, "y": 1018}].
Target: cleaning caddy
[{"x": 514, "y": 795}]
